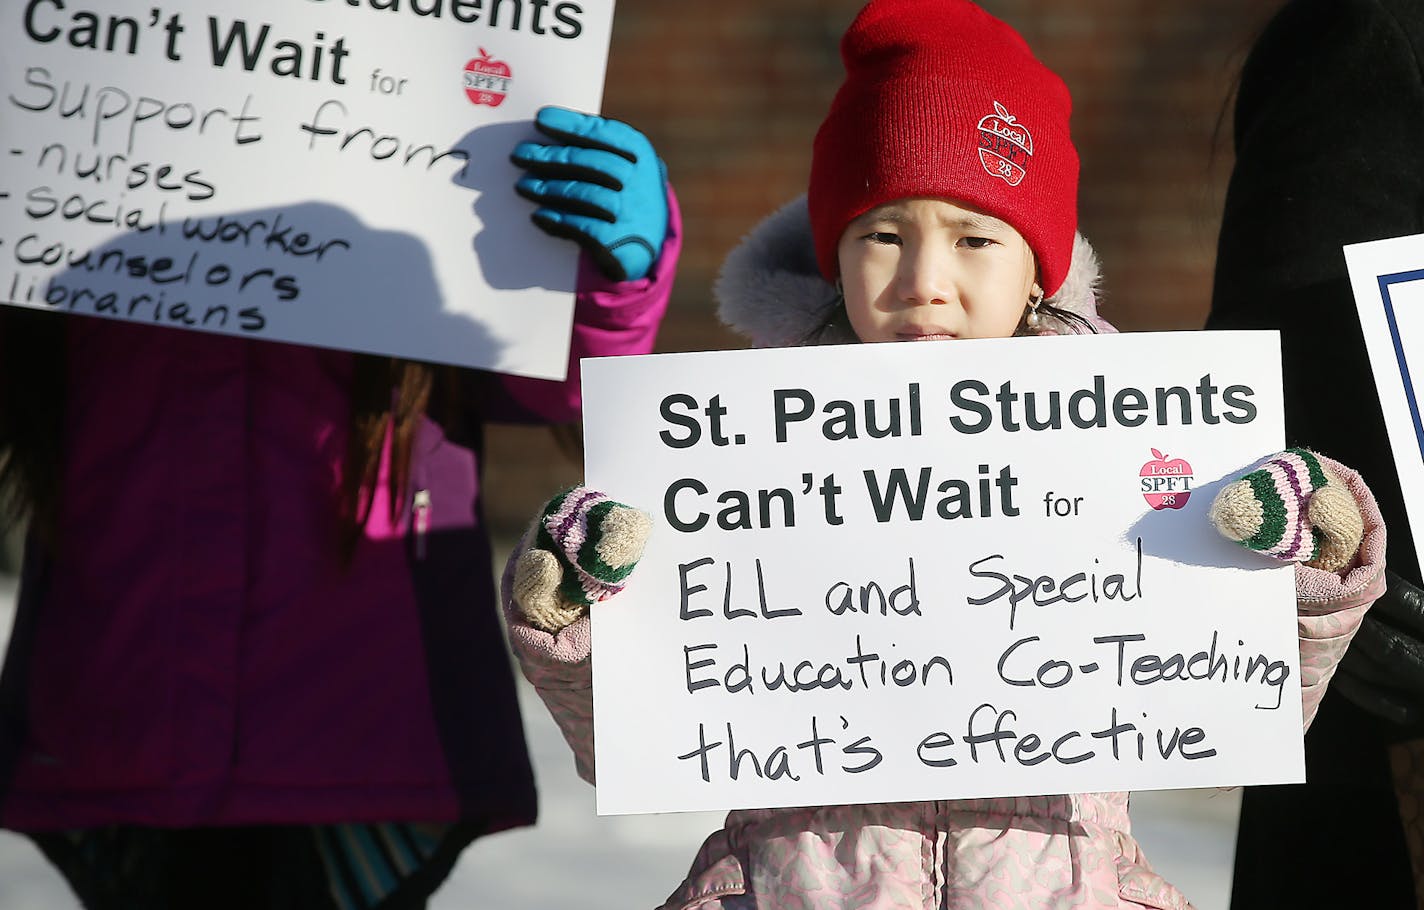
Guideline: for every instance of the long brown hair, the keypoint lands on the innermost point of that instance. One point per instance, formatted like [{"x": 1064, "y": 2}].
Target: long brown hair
[{"x": 387, "y": 396}]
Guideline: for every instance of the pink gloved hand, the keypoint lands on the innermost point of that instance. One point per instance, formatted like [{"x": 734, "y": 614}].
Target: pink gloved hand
[
  {"x": 582, "y": 550},
  {"x": 1294, "y": 509}
]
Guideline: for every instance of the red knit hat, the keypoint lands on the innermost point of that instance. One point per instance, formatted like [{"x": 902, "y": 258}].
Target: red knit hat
[{"x": 942, "y": 99}]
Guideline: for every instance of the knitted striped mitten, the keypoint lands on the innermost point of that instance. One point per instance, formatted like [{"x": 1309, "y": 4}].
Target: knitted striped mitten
[
  {"x": 583, "y": 547},
  {"x": 1292, "y": 509}
]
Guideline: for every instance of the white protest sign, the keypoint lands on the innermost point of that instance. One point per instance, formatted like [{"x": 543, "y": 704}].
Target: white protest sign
[
  {"x": 933, "y": 571},
  {"x": 329, "y": 172},
  {"x": 1387, "y": 277}
]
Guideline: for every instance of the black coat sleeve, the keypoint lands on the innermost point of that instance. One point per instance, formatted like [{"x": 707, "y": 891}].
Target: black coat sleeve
[{"x": 1329, "y": 131}]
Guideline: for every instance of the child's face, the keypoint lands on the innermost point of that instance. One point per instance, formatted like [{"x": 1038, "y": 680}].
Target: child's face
[{"x": 924, "y": 269}]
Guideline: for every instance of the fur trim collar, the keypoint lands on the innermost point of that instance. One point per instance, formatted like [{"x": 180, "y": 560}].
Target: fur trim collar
[{"x": 771, "y": 291}]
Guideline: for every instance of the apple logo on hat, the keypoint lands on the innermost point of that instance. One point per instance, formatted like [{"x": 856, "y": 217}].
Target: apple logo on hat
[{"x": 1005, "y": 146}]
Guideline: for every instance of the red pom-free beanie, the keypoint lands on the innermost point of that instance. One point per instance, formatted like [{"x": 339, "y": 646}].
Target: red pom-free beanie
[{"x": 942, "y": 99}]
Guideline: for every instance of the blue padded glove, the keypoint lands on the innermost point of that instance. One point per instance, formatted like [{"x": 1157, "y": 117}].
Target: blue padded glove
[{"x": 600, "y": 184}]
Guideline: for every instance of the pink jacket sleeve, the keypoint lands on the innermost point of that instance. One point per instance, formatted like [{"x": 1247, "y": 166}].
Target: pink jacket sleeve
[
  {"x": 1329, "y": 607},
  {"x": 610, "y": 318},
  {"x": 560, "y": 667}
]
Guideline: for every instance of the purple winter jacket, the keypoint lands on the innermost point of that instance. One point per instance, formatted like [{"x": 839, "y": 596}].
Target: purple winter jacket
[{"x": 193, "y": 652}]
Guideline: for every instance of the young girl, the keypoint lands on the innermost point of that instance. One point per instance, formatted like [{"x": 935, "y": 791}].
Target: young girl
[{"x": 941, "y": 206}]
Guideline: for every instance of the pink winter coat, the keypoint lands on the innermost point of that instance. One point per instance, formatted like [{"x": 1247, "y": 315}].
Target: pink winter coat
[
  {"x": 193, "y": 651},
  {"x": 1072, "y": 850}
]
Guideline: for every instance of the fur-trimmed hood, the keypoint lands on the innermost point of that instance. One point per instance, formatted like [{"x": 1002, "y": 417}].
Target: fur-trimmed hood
[{"x": 771, "y": 291}]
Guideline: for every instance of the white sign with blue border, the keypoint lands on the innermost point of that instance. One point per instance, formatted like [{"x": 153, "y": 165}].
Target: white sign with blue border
[{"x": 1388, "y": 280}]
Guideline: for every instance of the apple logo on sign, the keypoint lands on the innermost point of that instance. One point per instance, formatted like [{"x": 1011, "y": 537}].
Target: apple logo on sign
[
  {"x": 486, "y": 80},
  {"x": 1166, "y": 483}
]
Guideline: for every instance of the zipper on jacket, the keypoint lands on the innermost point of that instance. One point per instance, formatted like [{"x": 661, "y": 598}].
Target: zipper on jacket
[
  {"x": 420, "y": 506},
  {"x": 939, "y": 853}
]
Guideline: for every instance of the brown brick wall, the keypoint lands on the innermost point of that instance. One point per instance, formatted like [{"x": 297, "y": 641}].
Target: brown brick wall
[{"x": 731, "y": 93}]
